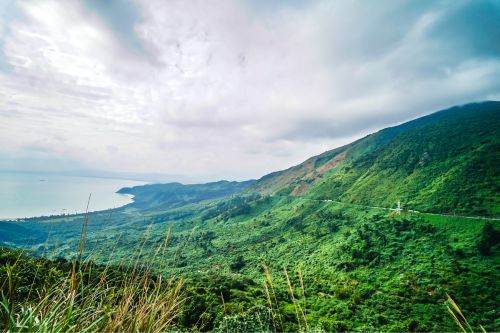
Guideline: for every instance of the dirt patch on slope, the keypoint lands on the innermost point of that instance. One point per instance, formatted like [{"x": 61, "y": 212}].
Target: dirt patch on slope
[
  {"x": 300, "y": 188},
  {"x": 331, "y": 163},
  {"x": 316, "y": 174}
]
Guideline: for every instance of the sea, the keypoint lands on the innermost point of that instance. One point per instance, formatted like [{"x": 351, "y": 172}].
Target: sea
[{"x": 30, "y": 195}]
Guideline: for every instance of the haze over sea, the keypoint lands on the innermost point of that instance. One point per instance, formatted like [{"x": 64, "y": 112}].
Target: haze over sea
[{"x": 30, "y": 194}]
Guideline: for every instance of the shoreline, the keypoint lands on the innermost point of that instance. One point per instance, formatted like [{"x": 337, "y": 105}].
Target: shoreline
[{"x": 25, "y": 218}]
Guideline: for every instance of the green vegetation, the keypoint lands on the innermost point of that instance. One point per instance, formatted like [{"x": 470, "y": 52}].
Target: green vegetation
[
  {"x": 39, "y": 295},
  {"x": 175, "y": 194},
  {"x": 360, "y": 270},
  {"x": 311, "y": 248},
  {"x": 446, "y": 163}
]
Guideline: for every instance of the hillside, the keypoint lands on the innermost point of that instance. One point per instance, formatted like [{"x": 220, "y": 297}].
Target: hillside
[
  {"x": 312, "y": 248},
  {"x": 175, "y": 194},
  {"x": 445, "y": 162}
]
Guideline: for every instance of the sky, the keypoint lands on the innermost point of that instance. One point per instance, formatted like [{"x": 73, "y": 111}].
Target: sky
[{"x": 228, "y": 89}]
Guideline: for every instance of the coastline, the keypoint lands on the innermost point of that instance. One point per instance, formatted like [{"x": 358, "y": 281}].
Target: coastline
[
  {"x": 60, "y": 196},
  {"x": 21, "y": 219}
]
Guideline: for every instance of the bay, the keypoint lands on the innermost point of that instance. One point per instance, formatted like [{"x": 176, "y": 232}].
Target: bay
[{"x": 28, "y": 195}]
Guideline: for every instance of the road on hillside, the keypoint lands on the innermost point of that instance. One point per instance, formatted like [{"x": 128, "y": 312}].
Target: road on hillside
[{"x": 403, "y": 210}]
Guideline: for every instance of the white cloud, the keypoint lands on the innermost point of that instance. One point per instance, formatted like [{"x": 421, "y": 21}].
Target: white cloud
[{"x": 228, "y": 89}]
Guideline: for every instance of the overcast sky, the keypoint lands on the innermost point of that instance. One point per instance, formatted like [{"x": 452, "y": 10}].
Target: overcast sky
[{"x": 228, "y": 89}]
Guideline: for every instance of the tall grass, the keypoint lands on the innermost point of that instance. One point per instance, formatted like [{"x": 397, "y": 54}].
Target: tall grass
[
  {"x": 459, "y": 318},
  {"x": 91, "y": 298},
  {"x": 145, "y": 304},
  {"x": 299, "y": 304}
]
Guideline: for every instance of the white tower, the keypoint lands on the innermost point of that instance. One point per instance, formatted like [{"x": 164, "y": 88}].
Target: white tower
[{"x": 398, "y": 209}]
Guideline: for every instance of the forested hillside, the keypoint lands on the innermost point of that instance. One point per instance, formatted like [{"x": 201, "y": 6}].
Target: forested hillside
[
  {"x": 444, "y": 162},
  {"x": 174, "y": 194},
  {"x": 315, "y": 247}
]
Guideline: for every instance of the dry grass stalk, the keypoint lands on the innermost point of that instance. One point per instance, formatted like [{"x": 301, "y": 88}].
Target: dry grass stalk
[
  {"x": 304, "y": 312},
  {"x": 295, "y": 305},
  {"x": 458, "y": 316},
  {"x": 270, "y": 281}
]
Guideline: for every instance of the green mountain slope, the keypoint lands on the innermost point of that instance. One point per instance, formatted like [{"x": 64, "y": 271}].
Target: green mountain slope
[
  {"x": 349, "y": 267},
  {"x": 11, "y": 232},
  {"x": 175, "y": 194},
  {"x": 444, "y": 162}
]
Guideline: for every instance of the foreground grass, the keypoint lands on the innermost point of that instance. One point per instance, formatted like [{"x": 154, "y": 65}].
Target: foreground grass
[
  {"x": 74, "y": 297},
  {"x": 79, "y": 296}
]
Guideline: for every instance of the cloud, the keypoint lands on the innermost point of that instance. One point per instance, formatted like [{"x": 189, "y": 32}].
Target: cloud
[{"x": 230, "y": 89}]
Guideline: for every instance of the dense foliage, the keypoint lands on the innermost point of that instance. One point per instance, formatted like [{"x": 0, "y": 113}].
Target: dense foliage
[
  {"x": 445, "y": 162},
  {"x": 175, "y": 194},
  {"x": 314, "y": 247}
]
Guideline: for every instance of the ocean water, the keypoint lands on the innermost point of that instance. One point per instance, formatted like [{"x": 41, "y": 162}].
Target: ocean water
[{"x": 28, "y": 195}]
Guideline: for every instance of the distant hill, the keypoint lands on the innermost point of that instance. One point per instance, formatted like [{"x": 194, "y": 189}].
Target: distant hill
[
  {"x": 175, "y": 194},
  {"x": 11, "y": 232},
  {"x": 445, "y": 162}
]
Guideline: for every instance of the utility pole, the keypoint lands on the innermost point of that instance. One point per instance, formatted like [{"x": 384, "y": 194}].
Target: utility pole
[{"x": 398, "y": 209}]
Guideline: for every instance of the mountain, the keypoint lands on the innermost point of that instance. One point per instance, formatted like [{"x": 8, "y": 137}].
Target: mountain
[
  {"x": 315, "y": 247},
  {"x": 445, "y": 162},
  {"x": 175, "y": 194}
]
